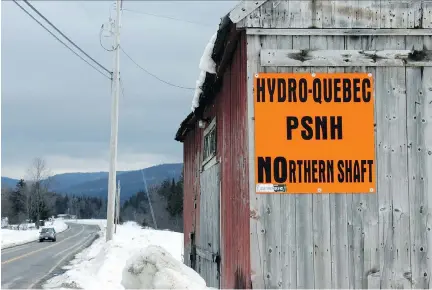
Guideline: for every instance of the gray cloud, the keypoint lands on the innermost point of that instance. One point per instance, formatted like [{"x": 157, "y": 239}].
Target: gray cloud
[{"x": 55, "y": 106}]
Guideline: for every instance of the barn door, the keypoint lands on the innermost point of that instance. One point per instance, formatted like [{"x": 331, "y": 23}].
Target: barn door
[{"x": 208, "y": 242}]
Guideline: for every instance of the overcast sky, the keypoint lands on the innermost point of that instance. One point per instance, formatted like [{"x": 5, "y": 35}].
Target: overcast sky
[{"x": 54, "y": 106}]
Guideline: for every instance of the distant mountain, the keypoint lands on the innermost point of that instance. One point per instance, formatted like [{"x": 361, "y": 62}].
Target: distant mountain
[
  {"x": 96, "y": 183},
  {"x": 7, "y": 182},
  {"x": 61, "y": 182},
  {"x": 130, "y": 181}
]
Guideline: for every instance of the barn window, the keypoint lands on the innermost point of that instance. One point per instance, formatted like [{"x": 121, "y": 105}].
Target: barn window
[{"x": 209, "y": 142}]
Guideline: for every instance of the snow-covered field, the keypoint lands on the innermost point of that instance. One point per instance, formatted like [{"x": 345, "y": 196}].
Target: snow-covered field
[
  {"x": 100, "y": 222},
  {"x": 136, "y": 258},
  {"x": 11, "y": 238}
]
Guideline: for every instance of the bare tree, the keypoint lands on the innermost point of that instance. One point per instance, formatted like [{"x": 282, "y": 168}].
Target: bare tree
[{"x": 40, "y": 177}]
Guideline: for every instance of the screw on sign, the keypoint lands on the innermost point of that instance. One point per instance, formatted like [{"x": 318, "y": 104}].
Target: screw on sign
[{"x": 321, "y": 128}]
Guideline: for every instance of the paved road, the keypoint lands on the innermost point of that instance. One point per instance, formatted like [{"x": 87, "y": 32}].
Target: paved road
[{"x": 29, "y": 265}]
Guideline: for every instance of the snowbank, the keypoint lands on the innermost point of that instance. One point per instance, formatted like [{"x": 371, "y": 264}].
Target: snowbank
[
  {"x": 154, "y": 268},
  {"x": 11, "y": 238},
  {"x": 206, "y": 65},
  {"x": 135, "y": 258},
  {"x": 22, "y": 227},
  {"x": 99, "y": 222}
]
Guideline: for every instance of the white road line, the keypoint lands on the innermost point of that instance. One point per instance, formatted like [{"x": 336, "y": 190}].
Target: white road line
[
  {"x": 16, "y": 248},
  {"x": 59, "y": 253},
  {"x": 41, "y": 249},
  {"x": 19, "y": 278},
  {"x": 56, "y": 265},
  {"x": 20, "y": 247}
]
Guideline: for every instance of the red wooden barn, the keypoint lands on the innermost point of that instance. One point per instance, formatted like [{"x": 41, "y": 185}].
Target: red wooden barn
[
  {"x": 236, "y": 238},
  {"x": 216, "y": 189}
]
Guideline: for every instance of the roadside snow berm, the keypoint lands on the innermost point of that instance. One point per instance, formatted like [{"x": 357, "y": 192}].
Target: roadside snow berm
[{"x": 155, "y": 268}]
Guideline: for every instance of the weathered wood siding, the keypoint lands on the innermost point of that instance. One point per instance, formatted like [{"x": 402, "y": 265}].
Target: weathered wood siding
[
  {"x": 208, "y": 243},
  {"x": 192, "y": 158},
  {"x": 231, "y": 103},
  {"x": 341, "y": 14},
  {"x": 380, "y": 240}
]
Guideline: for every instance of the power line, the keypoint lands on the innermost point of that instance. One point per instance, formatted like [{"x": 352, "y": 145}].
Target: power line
[
  {"x": 100, "y": 40},
  {"x": 148, "y": 197},
  {"x": 73, "y": 43},
  {"x": 109, "y": 77},
  {"x": 159, "y": 79},
  {"x": 168, "y": 17}
]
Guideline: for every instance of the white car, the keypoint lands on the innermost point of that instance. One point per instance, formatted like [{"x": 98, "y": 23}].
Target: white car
[{"x": 47, "y": 234}]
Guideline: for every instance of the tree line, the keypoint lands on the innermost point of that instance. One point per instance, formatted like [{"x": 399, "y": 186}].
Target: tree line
[
  {"x": 31, "y": 200},
  {"x": 167, "y": 202},
  {"x": 24, "y": 203},
  {"x": 173, "y": 194}
]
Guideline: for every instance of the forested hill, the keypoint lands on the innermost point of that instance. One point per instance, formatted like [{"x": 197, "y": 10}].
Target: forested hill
[{"x": 95, "y": 184}]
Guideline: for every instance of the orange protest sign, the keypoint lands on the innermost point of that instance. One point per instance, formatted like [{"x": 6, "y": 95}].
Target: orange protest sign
[{"x": 314, "y": 133}]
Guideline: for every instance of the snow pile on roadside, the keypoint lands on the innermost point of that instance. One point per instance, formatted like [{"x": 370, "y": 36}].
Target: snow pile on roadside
[
  {"x": 59, "y": 226},
  {"x": 22, "y": 227},
  {"x": 131, "y": 260},
  {"x": 206, "y": 65},
  {"x": 11, "y": 238},
  {"x": 154, "y": 268},
  {"x": 99, "y": 222}
]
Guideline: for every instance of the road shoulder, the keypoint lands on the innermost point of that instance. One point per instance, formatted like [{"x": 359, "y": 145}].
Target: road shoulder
[{"x": 58, "y": 269}]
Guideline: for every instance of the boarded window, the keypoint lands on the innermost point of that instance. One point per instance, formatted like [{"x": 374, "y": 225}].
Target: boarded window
[{"x": 209, "y": 142}]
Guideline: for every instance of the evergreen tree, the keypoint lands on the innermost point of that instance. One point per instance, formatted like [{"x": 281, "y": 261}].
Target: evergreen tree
[
  {"x": 45, "y": 210},
  {"x": 173, "y": 193},
  {"x": 17, "y": 200},
  {"x": 144, "y": 223},
  {"x": 19, "y": 205}
]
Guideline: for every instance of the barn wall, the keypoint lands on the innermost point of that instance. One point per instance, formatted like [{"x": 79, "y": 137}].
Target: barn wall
[
  {"x": 229, "y": 108},
  {"x": 341, "y": 14},
  {"x": 192, "y": 156},
  {"x": 350, "y": 240}
]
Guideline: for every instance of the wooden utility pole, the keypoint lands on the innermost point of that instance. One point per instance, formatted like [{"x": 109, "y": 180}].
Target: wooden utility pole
[{"x": 114, "y": 127}]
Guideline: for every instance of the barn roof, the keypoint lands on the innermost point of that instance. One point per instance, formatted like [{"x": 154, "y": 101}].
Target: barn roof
[{"x": 223, "y": 49}]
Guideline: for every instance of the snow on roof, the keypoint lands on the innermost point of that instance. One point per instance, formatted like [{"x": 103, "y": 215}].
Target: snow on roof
[
  {"x": 206, "y": 62},
  {"x": 206, "y": 65}
]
